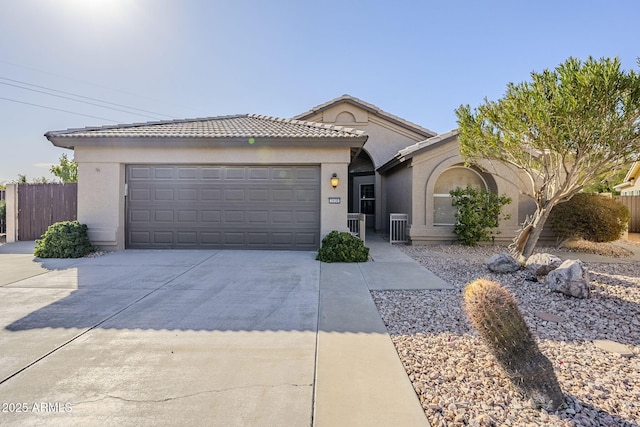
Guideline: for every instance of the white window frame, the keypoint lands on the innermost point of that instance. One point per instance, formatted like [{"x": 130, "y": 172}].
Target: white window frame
[
  {"x": 360, "y": 199},
  {"x": 448, "y": 196}
]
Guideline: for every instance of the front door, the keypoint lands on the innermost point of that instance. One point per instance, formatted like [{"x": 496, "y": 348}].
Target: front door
[{"x": 368, "y": 203}]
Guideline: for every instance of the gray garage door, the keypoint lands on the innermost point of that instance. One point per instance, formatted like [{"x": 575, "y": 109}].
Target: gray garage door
[{"x": 211, "y": 206}]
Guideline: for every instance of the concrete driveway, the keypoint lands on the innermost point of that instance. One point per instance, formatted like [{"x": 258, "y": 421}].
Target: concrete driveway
[{"x": 218, "y": 338}]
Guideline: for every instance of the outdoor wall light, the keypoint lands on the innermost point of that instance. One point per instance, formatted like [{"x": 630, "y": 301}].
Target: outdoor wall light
[{"x": 334, "y": 180}]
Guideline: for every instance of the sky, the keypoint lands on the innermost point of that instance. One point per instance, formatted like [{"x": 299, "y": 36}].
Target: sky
[{"x": 76, "y": 63}]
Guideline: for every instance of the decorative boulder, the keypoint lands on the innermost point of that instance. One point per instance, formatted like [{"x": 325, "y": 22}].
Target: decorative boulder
[
  {"x": 503, "y": 263},
  {"x": 542, "y": 264},
  {"x": 571, "y": 278}
]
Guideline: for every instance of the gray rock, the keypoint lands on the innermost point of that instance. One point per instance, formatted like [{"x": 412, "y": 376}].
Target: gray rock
[
  {"x": 571, "y": 278},
  {"x": 503, "y": 263},
  {"x": 614, "y": 347},
  {"x": 548, "y": 317},
  {"x": 542, "y": 264}
]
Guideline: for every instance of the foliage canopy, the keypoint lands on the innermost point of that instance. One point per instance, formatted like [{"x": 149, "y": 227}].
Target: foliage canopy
[
  {"x": 479, "y": 213},
  {"x": 341, "y": 246},
  {"x": 560, "y": 130},
  {"x": 591, "y": 217},
  {"x": 66, "y": 170},
  {"x": 65, "y": 239}
]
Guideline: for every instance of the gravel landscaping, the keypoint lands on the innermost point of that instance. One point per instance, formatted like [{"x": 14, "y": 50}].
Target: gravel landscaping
[{"x": 459, "y": 383}]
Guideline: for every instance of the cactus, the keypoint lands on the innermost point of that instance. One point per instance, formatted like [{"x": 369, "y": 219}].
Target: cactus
[{"x": 494, "y": 313}]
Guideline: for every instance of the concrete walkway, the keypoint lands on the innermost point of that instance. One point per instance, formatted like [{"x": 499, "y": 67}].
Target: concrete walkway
[
  {"x": 229, "y": 338},
  {"x": 360, "y": 380}
]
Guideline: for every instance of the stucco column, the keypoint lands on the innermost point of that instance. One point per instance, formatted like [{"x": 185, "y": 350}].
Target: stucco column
[
  {"x": 334, "y": 204},
  {"x": 11, "y": 197},
  {"x": 101, "y": 193}
]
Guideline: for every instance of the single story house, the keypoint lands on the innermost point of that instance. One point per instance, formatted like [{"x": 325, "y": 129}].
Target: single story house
[
  {"x": 250, "y": 181},
  {"x": 631, "y": 184}
]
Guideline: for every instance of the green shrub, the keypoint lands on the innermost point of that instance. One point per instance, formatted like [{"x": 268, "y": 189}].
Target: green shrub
[
  {"x": 494, "y": 313},
  {"x": 3, "y": 211},
  {"x": 479, "y": 211},
  {"x": 591, "y": 217},
  {"x": 342, "y": 247},
  {"x": 66, "y": 239}
]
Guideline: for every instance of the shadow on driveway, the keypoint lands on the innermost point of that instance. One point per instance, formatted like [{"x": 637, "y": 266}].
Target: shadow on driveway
[{"x": 174, "y": 290}]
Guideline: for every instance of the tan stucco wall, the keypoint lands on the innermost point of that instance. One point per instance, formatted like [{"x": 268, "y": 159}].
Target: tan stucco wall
[
  {"x": 385, "y": 140},
  {"x": 398, "y": 188},
  {"x": 101, "y": 202},
  {"x": 425, "y": 169},
  {"x": 101, "y": 180}
]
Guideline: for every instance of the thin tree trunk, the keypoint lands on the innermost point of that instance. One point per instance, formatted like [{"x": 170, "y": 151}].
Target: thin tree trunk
[{"x": 535, "y": 231}]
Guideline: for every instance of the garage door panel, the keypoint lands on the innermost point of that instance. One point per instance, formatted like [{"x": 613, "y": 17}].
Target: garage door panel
[
  {"x": 307, "y": 174},
  {"x": 283, "y": 238},
  {"x": 258, "y": 173},
  {"x": 163, "y": 237},
  {"x": 140, "y": 194},
  {"x": 257, "y": 238},
  {"x": 161, "y": 173},
  {"x": 188, "y": 216},
  {"x": 211, "y": 173},
  {"x": 187, "y": 237},
  {"x": 257, "y": 217},
  {"x": 163, "y": 216},
  {"x": 187, "y": 194},
  {"x": 211, "y": 216},
  {"x": 285, "y": 195},
  {"x": 234, "y": 195},
  {"x": 305, "y": 195},
  {"x": 282, "y": 173},
  {"x": 139, "y": 172},
  {"x": 191, "y": 206},
  {"x": 211, "y": 238},
  {"x": 211, "y": 194},
  {"x": 259, "y": 195},
  {"x": 141, "y": 216},
  {"x": 163, "y": 194},
  {"x": 234, "y": 173},
  {"x": 304, "y": 239},
  {"x": 281, "y": 217},
  {"x": 140, "y": 238},
  {"x": 307, "y": 217},
  {"x": 190, "y": 174},
  {"x": 233, "y": 238},
  {"x": 234, "y": 217}
]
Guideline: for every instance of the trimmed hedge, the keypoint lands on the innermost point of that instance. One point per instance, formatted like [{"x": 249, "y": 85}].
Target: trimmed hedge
[
  {"x": 590, "y": 216},
  {"x": 342, "y": 247},
  {"x": 66, "y": 239}
]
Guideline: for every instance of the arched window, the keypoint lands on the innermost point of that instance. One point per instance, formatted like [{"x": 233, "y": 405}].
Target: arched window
[{"x": 450, "y": 179}]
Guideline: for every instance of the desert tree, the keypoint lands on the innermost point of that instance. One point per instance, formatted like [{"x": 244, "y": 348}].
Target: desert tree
[
  {"x": 560, "y": 130},
  {"x": 66, "y": 170}
]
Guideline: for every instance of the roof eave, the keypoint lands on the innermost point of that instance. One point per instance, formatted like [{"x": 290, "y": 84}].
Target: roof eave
[
  {"x": 633, "y": 171},
  {"x": 71, "y": 142},
  {"x": 427, "y": 133}
]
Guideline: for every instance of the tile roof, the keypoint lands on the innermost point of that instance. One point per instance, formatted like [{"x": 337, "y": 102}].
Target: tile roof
[
  {"x": 370, "y": 107},
  {"x": 412, "y": 149},
  {"x": 236, "y": 126},
  {"x": 419, "y": 147}
]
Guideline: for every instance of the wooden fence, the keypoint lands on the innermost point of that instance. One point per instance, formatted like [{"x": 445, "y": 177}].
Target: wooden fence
[
  {"x": 3, "y": 221},
  {"x": 633, "y": 203},
  {"x": 40, "y": 205}
]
